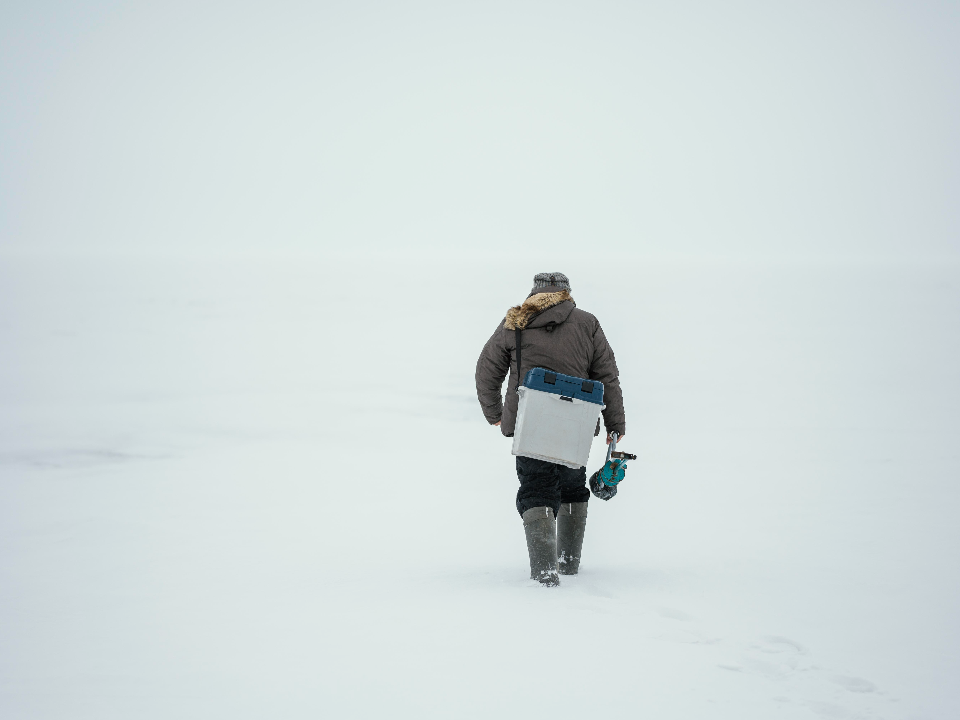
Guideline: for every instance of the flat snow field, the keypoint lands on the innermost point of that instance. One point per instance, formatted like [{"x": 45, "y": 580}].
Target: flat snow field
[{"x": 251, "y": 489}]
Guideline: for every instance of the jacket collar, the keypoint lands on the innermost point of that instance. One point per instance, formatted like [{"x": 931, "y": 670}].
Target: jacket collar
[{"x": 519, "y": 317}]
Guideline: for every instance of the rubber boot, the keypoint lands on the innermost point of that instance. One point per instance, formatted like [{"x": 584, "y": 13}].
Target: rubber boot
[
  {"x": 541, "y": 531},
  {"x": 571, "y": 523}
]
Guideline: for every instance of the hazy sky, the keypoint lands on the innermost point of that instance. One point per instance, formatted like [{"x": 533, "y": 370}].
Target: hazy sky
[{"x": 709, "y": 129}]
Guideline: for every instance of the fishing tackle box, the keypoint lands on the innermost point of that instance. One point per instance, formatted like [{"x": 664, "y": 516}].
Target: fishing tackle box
[{"x": 557, "y": 417}]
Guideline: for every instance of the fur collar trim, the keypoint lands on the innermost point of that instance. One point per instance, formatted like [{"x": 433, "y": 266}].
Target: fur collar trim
[{"x": 519, "y": 316}]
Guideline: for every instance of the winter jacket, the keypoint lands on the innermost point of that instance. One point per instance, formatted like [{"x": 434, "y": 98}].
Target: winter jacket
[{"x": 558, "y": 336}]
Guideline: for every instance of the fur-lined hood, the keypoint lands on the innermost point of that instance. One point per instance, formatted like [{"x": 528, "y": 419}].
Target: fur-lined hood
[{"x": 520, "y": 316}]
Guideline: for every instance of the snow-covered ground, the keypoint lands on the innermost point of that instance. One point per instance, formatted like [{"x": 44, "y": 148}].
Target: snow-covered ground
[{"x": 247, "y": 489}]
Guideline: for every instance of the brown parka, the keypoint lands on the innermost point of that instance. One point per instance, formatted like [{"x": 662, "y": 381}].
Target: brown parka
[{"x": 558, "y": 336}]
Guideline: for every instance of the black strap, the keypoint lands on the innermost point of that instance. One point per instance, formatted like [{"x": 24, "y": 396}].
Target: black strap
[{"x": 519, "y": 376}]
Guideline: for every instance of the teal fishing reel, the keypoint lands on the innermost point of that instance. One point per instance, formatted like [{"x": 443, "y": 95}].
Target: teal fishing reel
[{"x": 603, "y": 483}]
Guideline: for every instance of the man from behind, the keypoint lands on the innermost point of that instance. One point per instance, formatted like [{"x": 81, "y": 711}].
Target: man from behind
[{"x": 556, "y": 335}]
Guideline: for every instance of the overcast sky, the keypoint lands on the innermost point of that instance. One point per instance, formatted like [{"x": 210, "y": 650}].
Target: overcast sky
[{"x": 767, "y": 130}]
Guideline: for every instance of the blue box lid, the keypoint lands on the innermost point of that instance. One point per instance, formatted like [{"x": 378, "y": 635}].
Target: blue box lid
[{"x": 566, "y": 385}]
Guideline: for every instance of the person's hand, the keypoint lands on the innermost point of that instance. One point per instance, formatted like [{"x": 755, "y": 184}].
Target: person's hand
[
  {"x": 619, "y": 439},
  {"x": 497, "y": 424}
]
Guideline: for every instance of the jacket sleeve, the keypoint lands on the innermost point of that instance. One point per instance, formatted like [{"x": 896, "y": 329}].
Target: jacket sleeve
[
  {"x": 604, "y": 369},
  {"x": 492, "y": 369}
]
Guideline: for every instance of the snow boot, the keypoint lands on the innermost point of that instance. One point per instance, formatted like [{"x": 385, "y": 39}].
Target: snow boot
[
  {"x": 571, "y": 523},
  {"x": 541, "y": 531}
]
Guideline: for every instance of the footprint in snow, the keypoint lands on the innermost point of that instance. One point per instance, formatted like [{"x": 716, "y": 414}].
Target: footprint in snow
[
  {"x": 775, "y": 645},
  {"x": 788, "y": 663},
  {"x": 854, "y": 684}
]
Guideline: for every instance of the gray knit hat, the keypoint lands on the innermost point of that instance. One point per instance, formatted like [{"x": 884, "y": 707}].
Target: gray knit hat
[{"x": 542, "y": 280}]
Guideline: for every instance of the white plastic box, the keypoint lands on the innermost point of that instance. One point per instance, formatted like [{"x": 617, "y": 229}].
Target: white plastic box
[{"x": 557, "y": 418}]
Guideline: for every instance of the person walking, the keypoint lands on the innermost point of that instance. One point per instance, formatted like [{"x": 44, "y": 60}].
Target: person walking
[{"x": 559, "y": 337}]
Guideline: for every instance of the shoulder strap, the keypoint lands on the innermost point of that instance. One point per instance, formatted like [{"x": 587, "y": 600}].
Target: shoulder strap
[{"x": 519, "y": 376}]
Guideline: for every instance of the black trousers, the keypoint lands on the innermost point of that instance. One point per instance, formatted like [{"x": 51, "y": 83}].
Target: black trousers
[{"x": 548, "y": 484}]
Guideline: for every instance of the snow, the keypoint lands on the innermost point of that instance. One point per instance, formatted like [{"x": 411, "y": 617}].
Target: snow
[{"x": 264, "y": 487}]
